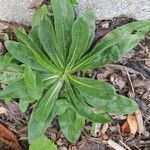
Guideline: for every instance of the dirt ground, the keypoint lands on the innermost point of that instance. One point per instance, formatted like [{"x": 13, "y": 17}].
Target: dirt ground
[{"x": 131, "y": 77}]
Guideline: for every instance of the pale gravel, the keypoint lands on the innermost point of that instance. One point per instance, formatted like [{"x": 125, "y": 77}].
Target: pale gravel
[
  {"x": 15, "y": 10},
  {"x": 108, "y": 9}
]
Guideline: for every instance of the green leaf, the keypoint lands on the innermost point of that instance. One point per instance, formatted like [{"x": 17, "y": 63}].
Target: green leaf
[
  {"x": 82, "y": 35},
  {"x": 42, "y": 143},
  {"x": 48, "y": 79},
  {"x": 61, "y": 105},
  {"x": 42, "y": 110},
  {"x": 59, "y": 108},
  {"x": 34, "y": 36},
  {"x": 23, "y": 54},
  {"x": 6, "y": 59},
  {"x": 33, "y": 83},
  {"x": 63, "y": 21},
  {"x": 71, "y": 124},
  {"x": 95, "y": 88},
  {"x": 10, "y": 72},
  {"x": 114, "y": 45},
  {"x": 74, "y": 2},
  {"x": 41, "y": 58},
  {"x": 16, "y": 89},
  {"x": 24, "y": 103},
  {"x": 39, "y": 15},
  {"x": 48, "y": 40},
  {"x": 85, "y": 110},
  {"x": 120, "y": 106}
]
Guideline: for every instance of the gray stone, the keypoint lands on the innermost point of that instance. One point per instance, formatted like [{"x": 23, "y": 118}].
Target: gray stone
[
  {"x": 18, "y": 10},
  {"x": 15, "y": 10},
  {"x": 108, "y": 9}
]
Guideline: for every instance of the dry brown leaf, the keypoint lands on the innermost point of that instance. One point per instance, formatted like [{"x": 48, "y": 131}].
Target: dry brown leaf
[
  {"x": 8, "y": 137},
  {"x": 132, "y": 121},
  {"x": 125, "y": 128},
  {"x": 131, "y": 125}
]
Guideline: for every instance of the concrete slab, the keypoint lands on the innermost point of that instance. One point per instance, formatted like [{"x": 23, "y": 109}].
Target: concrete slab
[
  {"x": 18, "y": 10},
  {"x": 15, "y": 10},
  {"x": 108, "y": 9}
]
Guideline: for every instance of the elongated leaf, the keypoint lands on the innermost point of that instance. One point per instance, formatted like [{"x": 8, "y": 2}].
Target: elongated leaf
[
  {"x": 120, "y": 106},
  {"x": 59, "y": 108},
  {"x": 82, "y": 35},
  {"x": 10, "y": 72},
  {"x": 34, "y": 36},
  {"x": 48, "y": 79},
  {"x": 48, "y": 40},
  {"x": 41, "y": 58},
  {"x": 63, "y": 20},
  {"x": 16, "y": 89},
  {"x": 6, "y": 59},
  {"x": 33, "y": 83},
  {"x": 23, "y": 54},
  {"x": 95, "y": 88},
  {"x": 24, "y": 103},
  {"x": 42, "y": 110},
  {"x": 39, "y": 15},
  {"x": 71, "y": 124},
  {"x": 115, "y": 45},
  {"x": 42, "y": 143},
  {"x": 85, "y": 110}
]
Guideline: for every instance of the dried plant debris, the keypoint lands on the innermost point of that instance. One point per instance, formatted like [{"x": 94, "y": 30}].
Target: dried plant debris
[{"x": 137, "y": 64}]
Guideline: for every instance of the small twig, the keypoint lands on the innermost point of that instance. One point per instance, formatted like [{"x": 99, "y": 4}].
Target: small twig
[
  {"x": 130, "y": 82},
  {"x": 140, "y": 122},
  {"x": 118, "y": 126},
  {"x": 23, "y": 139},
  {"x": 122, "y": 68},
  {"x": 104, "y": 128},
  {"x": 97, "y": 128},
  {"x": 126, "y": 146},
  {"x": 143, "y": 47},
  {"x": 115, "y": 145}
]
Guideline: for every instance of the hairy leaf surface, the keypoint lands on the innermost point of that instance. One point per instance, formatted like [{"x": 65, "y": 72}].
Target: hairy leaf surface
[
  {"x": 42, "y": 143},
  {"x": 95, "y": 88},
  {"x": 48, "y": 40},
  {"x": 120, "y": 106},
  {"x": 71, "y": 124},
  {"x": 63, "y": 21},
  {"x": 85, "y": 110},
  {"x": 16, "y": 89},
  {"x": 10, "y": 72},
  {"x": 42, "y": 110},
  {"x": 33, "y": 83},
  {"x": 114, "y": 45},
  {"x": 39, "y": 15},
  {"x": 82, "y": 35},
  {"x": 23, "y": 54},
  {"x": 41, "y": 58}
]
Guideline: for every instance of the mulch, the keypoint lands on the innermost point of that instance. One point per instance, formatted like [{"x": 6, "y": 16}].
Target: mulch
[{"x": 131, "y": 77}]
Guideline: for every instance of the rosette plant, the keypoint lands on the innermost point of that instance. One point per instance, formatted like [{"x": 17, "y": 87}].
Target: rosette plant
[{"x": 40, "y": 69}]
